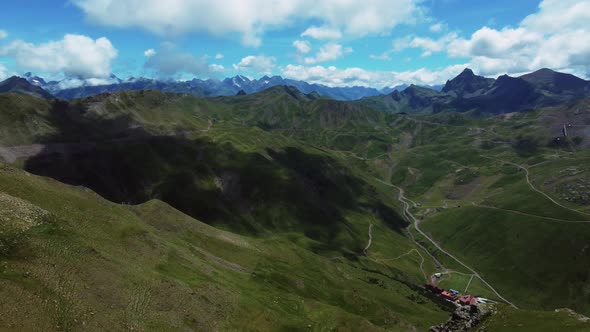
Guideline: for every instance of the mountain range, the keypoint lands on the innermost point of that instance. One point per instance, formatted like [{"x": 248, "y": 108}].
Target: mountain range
[
  {"x": 470, "y": 92},
  {"x": 71, "y": 88},
  {"x": 78, "y": 88},
  {"x": 466, "y": 92}
]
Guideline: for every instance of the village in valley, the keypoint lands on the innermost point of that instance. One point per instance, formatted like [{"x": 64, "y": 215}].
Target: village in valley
[{"x": 453, "y": 295}]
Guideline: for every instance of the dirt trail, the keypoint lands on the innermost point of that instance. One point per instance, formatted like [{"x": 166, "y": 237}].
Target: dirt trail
[
  {"x": 528, "y": 180},
  {"x": 370, "y": 239},
  {"x": 530, "y": 215},
  {"x": 469, "y": 283},
  {"x": 408, "y": 253}
]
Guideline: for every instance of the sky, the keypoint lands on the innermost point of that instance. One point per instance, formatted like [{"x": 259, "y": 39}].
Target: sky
[{"x": 373, "y": 43}]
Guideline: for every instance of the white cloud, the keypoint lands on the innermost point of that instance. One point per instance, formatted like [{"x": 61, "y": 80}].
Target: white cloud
[
  {"x": 149, "y": 52},
  {"x": 168, "y": 61},
  {"x": 3, "y": 72},
  {"x": 493, "y": 43},
  {"x": 3, "y": 34},
  {"x": 219, "y": 56},
  {"x": 438, "y": 27},
  {"x": 74, "y": 55},
  {"x": 216, "y": 67},
  {"x": 251, "y": 18},
  {"x": 332, "y": 76},
  {"x": 425, "y": 76},
  {"x": 328, "y": 52},
  {"x": 260, "y": 64},
  {"x": 74, "y": 82},
  {"x": 555, "y": 16},
  {"x": 302, "y": 46},
  {"x": 428, "y": 45},
  {"x": 382, "y": 56},
  {"x": 322, "y": 33},
  {"x": 401, "y": 43},
  {"x": 557, "y": 36}
]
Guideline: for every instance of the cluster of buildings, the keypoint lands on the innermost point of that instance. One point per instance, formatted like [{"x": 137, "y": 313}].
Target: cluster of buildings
[{"x": 454, "y": 296}]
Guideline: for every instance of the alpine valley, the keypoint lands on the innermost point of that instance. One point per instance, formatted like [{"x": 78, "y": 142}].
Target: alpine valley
[{"x": 273, "y": 204}]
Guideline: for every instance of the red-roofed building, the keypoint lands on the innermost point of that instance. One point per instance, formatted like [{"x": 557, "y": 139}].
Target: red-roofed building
[
  {"x": 467, "y": 300},
  {"x": 448, "y": 296}
]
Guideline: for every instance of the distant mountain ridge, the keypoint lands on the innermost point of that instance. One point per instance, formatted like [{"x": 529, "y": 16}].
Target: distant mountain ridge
[
  {"x": 469, "y": 92},
  {"x": 20, "y": 85},
  {"x": 465, "y": 92},
  {"x": 467, "y": 84},
  {"x": 204, "y": 88},
  {"x": 402, "y": 87}
]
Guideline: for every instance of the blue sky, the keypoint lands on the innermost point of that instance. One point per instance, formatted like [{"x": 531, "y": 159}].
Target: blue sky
[{"x": 334, "y": 42}]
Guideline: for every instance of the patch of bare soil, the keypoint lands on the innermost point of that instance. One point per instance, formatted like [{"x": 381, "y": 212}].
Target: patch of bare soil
[
  {"x": 576, "y": 120},
  {"x": 19, "y": 214},
  {"x": 465, "y": 191},
  {"x": 571, "y": 184}
]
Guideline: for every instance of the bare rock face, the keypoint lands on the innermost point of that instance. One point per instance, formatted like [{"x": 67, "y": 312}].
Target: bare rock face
[{"x": 463, "y": 319}]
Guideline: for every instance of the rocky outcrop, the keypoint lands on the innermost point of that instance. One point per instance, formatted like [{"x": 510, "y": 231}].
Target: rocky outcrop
[
  {"x": 463, "y": 319},
  {"x": 574, "y": 314}
]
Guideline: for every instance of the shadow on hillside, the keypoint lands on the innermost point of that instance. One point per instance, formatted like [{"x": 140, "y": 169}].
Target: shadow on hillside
[{"x": 217, "y": 184}]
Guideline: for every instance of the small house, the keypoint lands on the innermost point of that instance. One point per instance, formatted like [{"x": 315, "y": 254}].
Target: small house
[
  {"x": 448, "y": 296},
  {"x": 468, "y": 300}
]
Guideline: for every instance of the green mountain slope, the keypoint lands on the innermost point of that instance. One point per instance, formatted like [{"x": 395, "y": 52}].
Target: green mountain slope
[
  {"x": 77, "y": 261},
  {"x": 257, "y": 211}
]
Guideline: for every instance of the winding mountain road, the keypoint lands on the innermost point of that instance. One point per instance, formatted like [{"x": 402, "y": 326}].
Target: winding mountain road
[{"x": 416, "y": 223}]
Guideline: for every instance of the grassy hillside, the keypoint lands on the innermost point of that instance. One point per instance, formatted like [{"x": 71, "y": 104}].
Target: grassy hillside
[
  {"x": 256, "y": 210},
  {"x": 73, "y": 260},
  {"x": 508, "y": 320}
]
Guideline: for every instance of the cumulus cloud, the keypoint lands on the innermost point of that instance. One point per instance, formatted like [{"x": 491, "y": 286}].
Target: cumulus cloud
[
  {"x": 75, "y": 82},
  {"x": 322, "y": 33},
  {"x": 259, "y": 64},
  {"x": 149, "y": 52},
  {"x": 3, "y": 34},
  {"x": 302, "y": 46},
  {"x": 3, "y": 72},
  {"x": 382, "y": 56},
  {"x": 496, "y": 43},
  {"x": 428, "y": 45},
  {"x": 555, "y": 16},
  {"x": 216, "y": 67},
  {"x": 168, "y": 61},
  {"x": 332, "y": 76},
  {"x": 557, "y": 36},
  {"x": 74, "y": 55},
  {"x": 251, "y": 18},
  {"x": 438, "y": 27},
  {"x": 328, "y": 52},
  {"x": 219, "y": 56},
  {"x": 424, "y": 76}
]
